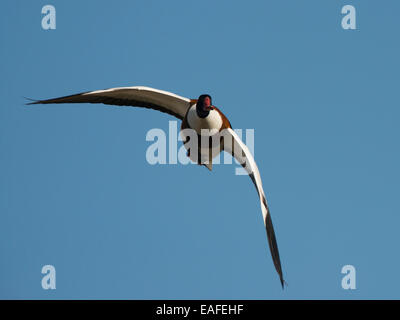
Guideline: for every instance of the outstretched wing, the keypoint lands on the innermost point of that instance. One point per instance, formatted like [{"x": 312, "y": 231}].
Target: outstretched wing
[
  {"x": 235, "y": 146},
  {"x": 130, "y": 96}
]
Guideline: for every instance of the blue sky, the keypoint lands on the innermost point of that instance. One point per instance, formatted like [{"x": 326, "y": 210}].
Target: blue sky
[{"x": 77, "y": 192}]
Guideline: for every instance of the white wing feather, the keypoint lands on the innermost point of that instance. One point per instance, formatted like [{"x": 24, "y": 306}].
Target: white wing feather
[
  {"x": 235, "y": 146},
  {"x": 145, "y": 97}
]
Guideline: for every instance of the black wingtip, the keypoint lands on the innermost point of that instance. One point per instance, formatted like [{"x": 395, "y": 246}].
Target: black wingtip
[
  {"x": 283, "y": 283},
  {"x": 33, "y": 101},
  {"x": 273, "y": 246}
]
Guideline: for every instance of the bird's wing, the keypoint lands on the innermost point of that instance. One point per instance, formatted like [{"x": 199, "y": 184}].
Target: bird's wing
[
  {"x": 130, "y": 96},
  {"x": 235, "y": 146}
]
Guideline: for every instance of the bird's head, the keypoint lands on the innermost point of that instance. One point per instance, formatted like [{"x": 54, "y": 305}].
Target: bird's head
[{"x": 204, "y": 105}]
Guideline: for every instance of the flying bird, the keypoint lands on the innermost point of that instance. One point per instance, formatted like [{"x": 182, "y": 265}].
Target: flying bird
[{"x": 209, "y": 125}]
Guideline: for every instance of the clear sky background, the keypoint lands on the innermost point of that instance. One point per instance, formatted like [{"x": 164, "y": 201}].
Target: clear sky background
[{"x": 77, "y": 192}]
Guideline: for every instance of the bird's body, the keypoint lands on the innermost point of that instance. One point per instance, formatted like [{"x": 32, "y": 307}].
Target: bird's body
[
  {"x": 208, "y": 130},
  {"x": 201, "y": 121},
  {"x": 212, "y": 122}
]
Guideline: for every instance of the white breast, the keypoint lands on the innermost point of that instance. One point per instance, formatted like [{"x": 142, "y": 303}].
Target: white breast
[{"x": 212, "y": 122}]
